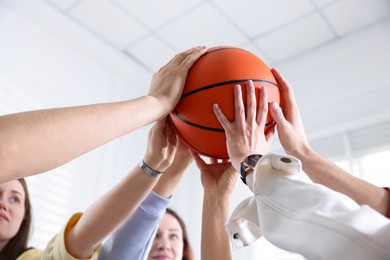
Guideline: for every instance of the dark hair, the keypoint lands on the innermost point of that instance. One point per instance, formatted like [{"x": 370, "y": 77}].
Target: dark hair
[
  {"x": 18, "y": 244},
  {"x": 188, "y": 254}
]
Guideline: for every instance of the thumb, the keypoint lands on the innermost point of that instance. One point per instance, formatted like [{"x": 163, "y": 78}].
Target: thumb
[
  {"x": 277, "y": 114},
  {"x": 198, "y": 160}
]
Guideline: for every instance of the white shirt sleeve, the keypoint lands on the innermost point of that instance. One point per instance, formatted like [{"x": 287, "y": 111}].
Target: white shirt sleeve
[{"x": 306, "y": 218}]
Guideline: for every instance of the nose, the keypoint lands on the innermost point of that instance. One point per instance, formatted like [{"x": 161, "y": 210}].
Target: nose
[
  {"x": 163, "y": 244},
  {"x": 3, "y": 204}
]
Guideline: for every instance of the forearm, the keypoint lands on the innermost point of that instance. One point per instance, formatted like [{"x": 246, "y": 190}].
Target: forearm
[
  {"x": 172, "y": 176},
  {"x": 107, "y": 213},
  {"x": 38, "y": 141},
  {"x": 323, "y": 171},
  {"x": 215, "y": 242}
]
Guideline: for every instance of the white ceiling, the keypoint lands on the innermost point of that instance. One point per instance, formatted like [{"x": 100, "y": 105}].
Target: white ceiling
[
  {"x": 151, "y": 32},
  {"x": 335, "y": 53}
]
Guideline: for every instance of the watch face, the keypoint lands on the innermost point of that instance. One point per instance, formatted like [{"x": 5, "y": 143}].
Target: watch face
[
  {"x": 252, "y": 159},
  {"x": 248, "y": 165}
]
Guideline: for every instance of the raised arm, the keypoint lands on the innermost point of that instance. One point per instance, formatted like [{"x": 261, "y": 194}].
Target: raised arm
[
  {"x": 38, "y": 141},
  {"x": 289, "y": 211},
  {"x": 109, "y": 211},
  {"x": 320, "y": 170},
  {"x": 133, "y": 239},
  {"x": 169, "y": 181},
  {"x": 219, "y": 180}
]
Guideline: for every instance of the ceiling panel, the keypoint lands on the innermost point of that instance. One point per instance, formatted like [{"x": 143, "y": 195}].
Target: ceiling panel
[
  {"x": 64, "y": 4},
  {"x": 151, "y": 52},
  {"x": 349, "y": 15},
  {"x": 203, "y": 26},
  {"x": 108, "y": 21},
  {"x": 260, "y": 17},
  {"x": 156, "y": 13},
  {"x": 302, "y": 35},
  {"x": 321, "y": 3}
]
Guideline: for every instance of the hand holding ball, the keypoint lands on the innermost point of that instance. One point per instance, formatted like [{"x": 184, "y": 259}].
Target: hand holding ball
[{"x": 211, "y": 80}]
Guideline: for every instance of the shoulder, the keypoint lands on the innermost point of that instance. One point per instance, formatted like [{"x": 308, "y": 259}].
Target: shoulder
[{"x": 30, "y": 254}]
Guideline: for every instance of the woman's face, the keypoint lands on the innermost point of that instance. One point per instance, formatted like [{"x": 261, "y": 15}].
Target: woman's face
[
  {"x": 168, "y": 243},
  {"x": 12, "y": 209}
]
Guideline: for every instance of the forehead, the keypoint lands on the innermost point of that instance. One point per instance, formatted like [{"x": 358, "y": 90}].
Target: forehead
[
  {"x": 12, "y": 186},
  {"x": 170, "y": 222}
]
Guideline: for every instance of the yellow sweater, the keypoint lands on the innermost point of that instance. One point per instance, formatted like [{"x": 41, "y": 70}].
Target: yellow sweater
[{"x": 56, "y": 249}]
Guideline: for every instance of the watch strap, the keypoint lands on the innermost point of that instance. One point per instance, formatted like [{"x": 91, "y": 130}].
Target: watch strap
[
  {"x": 248, "y": 165},
  {"x": 149, "y": 171}
]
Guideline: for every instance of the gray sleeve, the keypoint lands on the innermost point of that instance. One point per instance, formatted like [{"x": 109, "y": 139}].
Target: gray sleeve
[{"x": 134, "y": 238}]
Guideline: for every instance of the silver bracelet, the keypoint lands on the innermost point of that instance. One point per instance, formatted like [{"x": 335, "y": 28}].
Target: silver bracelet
[{"x": 149, "y": 171}]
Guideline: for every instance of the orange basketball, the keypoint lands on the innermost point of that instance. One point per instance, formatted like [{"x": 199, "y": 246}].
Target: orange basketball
[{"x": 211, "y": 80}]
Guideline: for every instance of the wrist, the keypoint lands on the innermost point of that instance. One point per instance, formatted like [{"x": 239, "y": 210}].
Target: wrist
[
  {"x": 298, "y": 150},
  {"x": 216, "y": 200},
  {"x": 156, "y": 162},
  {"x": 304, "y": 154},
  {"x": 148, "y": 170},
  {"x": 236, "y": 162},
  {"x": 158, "y": 106},
  {"x": 178, "y": 167}
]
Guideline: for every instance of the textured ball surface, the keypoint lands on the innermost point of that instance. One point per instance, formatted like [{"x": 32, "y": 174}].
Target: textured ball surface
[{"x": 211, "y": 80}]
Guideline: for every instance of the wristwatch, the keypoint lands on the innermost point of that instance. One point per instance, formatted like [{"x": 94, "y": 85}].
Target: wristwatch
[
  {"x": 149, "y": 171},
  {"x": 248, "y": 165}
]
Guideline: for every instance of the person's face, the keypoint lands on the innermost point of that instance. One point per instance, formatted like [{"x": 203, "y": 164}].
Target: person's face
[
  {"x": 12, "y": 209},
  {"x": 168, "y": 243}
]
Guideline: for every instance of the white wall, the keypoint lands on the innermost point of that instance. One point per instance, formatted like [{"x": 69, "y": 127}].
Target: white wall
[
  {"x": 345, "y": 84},
  {"x": 39, "y": 70}
]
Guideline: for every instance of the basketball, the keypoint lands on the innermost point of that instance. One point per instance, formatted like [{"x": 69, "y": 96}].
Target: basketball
[{"x": 211, "y": 80}]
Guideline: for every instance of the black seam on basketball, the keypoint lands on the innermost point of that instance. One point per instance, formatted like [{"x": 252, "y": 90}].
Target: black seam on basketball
[
  {"x": 227, "y": 48},
  {"x": 185, "y": 140},
  {"x": 220, "y": 130},
  {"x": 189, "y": 144},
  {"x": 224, "y": 48},
  {"x": 198, "y": 126},
  {"x": 226, "y": 83}
]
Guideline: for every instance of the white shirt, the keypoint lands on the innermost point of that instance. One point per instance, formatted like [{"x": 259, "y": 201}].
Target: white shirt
[{"x": 306, "y": 218}]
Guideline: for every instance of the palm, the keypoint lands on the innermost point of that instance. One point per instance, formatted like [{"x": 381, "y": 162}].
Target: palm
[
  {"x": 213, "y": 177},
  {"x": 217, "y": 177}
]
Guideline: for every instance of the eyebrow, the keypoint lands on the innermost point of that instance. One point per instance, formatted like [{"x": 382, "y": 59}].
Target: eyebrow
[
  {"x": 17, "y": 192},
  {"x": 175, "y": 229}
]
